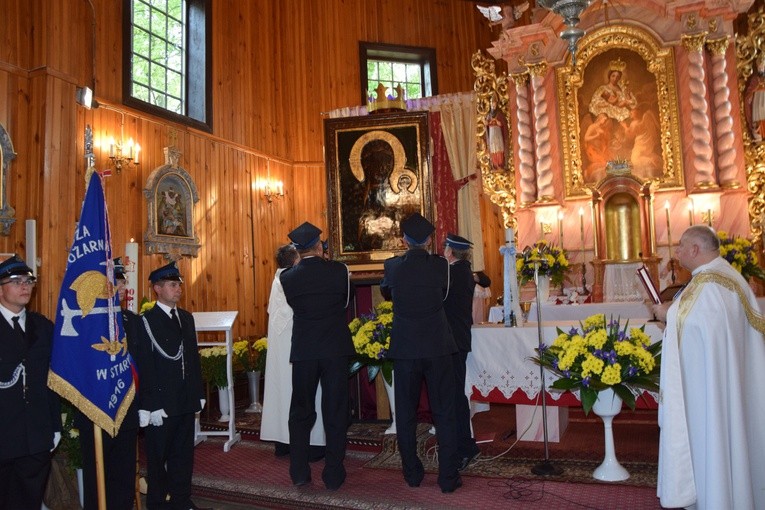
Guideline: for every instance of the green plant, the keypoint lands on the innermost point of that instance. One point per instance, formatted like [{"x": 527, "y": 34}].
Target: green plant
[
  {"x": 250, "y": 354},
  {"x": 70, "y": 437},
  {"x": 213, "y": 361},
  {"x": 552, "y": 262},
  {"x": 371, "y": 339},
  {"x": 601, "y": 355}
]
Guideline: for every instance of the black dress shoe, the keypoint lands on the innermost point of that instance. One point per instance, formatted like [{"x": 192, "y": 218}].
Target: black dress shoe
[
  {"x": 457, "y": 485},
  {"x": 281, "y": 449},
  {"x": 300, "y": 483},
  {"x": 465, "y": 462}
]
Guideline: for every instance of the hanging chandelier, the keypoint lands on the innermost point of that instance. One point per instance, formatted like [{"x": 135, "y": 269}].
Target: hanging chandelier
[{"x": 570, "y": 11}]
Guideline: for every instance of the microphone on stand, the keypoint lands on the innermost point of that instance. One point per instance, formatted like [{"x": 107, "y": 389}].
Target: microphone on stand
[{"x": 544, "y": 468}]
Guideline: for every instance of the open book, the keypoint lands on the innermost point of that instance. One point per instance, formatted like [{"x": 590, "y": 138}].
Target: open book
[{"x": 650, "y": 288}]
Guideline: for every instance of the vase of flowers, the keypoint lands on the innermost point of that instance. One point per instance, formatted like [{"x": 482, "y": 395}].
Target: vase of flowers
[
  {"x": 599, "y": 358},
  {"x": 548, "y": 260},
  {"x": 215, "y": 372},
  {"x": 740, "y": 253},
  {"x": 251, "y": 356},
  {"x": 371, "y": 339}
]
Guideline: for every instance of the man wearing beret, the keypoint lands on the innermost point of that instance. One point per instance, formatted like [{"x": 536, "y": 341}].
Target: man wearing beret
[
  {"x": 170, "y": 392},
  {"x": 30, "y": 427},
  {"x": 422, "y": 346},
  {"x": 459, "y": 313},
  {"x": 119, "y": 452},
  {"x": 318, "y": 291}
]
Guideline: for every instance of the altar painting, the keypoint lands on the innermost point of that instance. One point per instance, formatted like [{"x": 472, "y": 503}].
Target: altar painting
[{"x": 624, "y": 110}]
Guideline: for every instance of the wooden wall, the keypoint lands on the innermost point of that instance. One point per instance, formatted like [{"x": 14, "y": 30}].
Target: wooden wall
[{"x": 277, "y": 65}]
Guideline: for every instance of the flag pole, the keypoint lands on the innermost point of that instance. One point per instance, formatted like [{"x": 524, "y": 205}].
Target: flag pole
[{"x": 100, "y": 478}]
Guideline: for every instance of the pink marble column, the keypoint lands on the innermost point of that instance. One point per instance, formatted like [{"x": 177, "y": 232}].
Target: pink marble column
[{"x": 525, "y": 140}]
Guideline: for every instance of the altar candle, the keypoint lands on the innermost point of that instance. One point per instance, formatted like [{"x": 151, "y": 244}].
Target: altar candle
[
  {"x": 509, "y": 235},
  {"x": 669, "y": 228},
  {"x": 581, "y": 229},
  {"x": 690, "y": 214},
  {"x": 709, "y": 217},
  {"x": 131, "y": 269},
  {"x": 560, "y": 229}
]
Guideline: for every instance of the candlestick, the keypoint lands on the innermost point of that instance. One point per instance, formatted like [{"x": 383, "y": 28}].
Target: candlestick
[
  {"x": 690, "y": 214},
  {"x": 581, "y": 229},
  {"x": 560, "y": 229},
  {"x": 709, "y": 217},
  {"x": 669, "y": 228}
]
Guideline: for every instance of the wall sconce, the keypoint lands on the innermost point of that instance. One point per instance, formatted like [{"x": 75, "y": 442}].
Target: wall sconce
[
  {"x": 122, "y": 153},
  {"x": 270, "y": 188},
  {"x": 707, "y": 204}
]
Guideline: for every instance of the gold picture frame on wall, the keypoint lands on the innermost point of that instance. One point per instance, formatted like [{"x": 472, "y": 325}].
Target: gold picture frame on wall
[
  {"x": 494, "y": 146},
  {"x": 618, "y": 109},
  {"x": 378, "y": 172}
]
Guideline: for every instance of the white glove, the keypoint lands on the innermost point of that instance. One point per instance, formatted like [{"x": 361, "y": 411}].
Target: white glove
[
  {"x": 156, "y": 417},
  {"x": 202, "y": 403},
  {"x": 56, "y": 440},
  {"x": 143, "y": 418}
]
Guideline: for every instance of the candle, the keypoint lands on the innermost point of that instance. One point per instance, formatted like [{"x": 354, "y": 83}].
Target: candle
[
  {"x": 560, "y": 229},
  {"x": 131, "y": 271},
  {"x": 111, "y": 147},
  {"x": 137, "y": 152},
  {"x": 709, "y": 217},
  {"x": 690, "y": 214},
  {"x": 669, "y": 229},
  {"x": 509, "y": 235},
  {"x": 581, "y": 229}
]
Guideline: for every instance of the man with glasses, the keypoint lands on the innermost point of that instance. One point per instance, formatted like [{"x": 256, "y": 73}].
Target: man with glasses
[{"x": 31, "y": 415}]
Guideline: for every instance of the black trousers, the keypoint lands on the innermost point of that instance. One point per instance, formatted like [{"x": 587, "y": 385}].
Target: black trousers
[
  {"x": 466, "y": 446},
  {"x": 439, "y": 376},
  {"x": 333, "y": 374},
  {"x": 170, "y": 462},
  {"x": 119, "y": 467},
  {"x": 23, "y": 480}
]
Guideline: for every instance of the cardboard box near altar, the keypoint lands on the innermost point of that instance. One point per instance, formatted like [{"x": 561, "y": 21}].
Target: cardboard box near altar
[{"x": 557, "y": 421}]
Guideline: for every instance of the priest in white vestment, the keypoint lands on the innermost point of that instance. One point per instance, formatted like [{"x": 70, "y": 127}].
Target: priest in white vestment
[
  {"x": 712, "y": 442},
  {"x": 277, "y": 391}
]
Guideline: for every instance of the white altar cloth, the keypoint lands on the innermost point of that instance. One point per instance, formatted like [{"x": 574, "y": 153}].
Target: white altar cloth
[{"x": 500, "y": 357}]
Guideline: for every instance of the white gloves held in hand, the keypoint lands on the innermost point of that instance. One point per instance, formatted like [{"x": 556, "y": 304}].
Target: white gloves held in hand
[
  {"x": 156, "y": 417},
  {"x": 146, "y": 418}
]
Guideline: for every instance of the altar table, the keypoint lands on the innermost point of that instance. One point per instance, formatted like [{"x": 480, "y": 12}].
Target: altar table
[
  {"x": 551, "y": 312},
  {"x": 499, "y": 369}
]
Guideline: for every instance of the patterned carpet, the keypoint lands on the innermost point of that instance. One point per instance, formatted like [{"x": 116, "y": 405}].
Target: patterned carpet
[
  {"x": 251, "y": 475},
  {"x": 517, "y": 462}
]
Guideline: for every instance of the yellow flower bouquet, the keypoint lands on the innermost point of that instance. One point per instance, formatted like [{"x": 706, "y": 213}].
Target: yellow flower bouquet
[
  {"x": 371, "y": 339},
  {"x": 740, "y": 253},
  {"x": 599, "y": 355},
  {"x": 251, "y": 355},
  {"x": 552, "y": 262},
  {"x": 213, "y": 361}
]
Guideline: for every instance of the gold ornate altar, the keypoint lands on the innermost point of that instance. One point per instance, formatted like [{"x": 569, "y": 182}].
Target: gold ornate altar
[{"x": 653, "y": 91}]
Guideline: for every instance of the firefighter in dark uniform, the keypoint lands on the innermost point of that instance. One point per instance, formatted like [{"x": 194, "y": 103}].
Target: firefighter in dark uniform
[
  {"x": 30, "y": 427},
  {"x": 119, "y": 452},
  {"x": 459, "y": 313},
  {"x": 422, "y": 346},
  {"x": 170, "y": 392},
  {"x": 318, "y": 291}
]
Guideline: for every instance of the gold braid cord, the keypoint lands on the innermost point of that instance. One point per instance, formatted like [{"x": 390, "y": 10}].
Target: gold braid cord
[
  {"x": 748, "y": 48},
  {"x": 500, "y": 185},
  {"x": 688, "y": 297}
]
